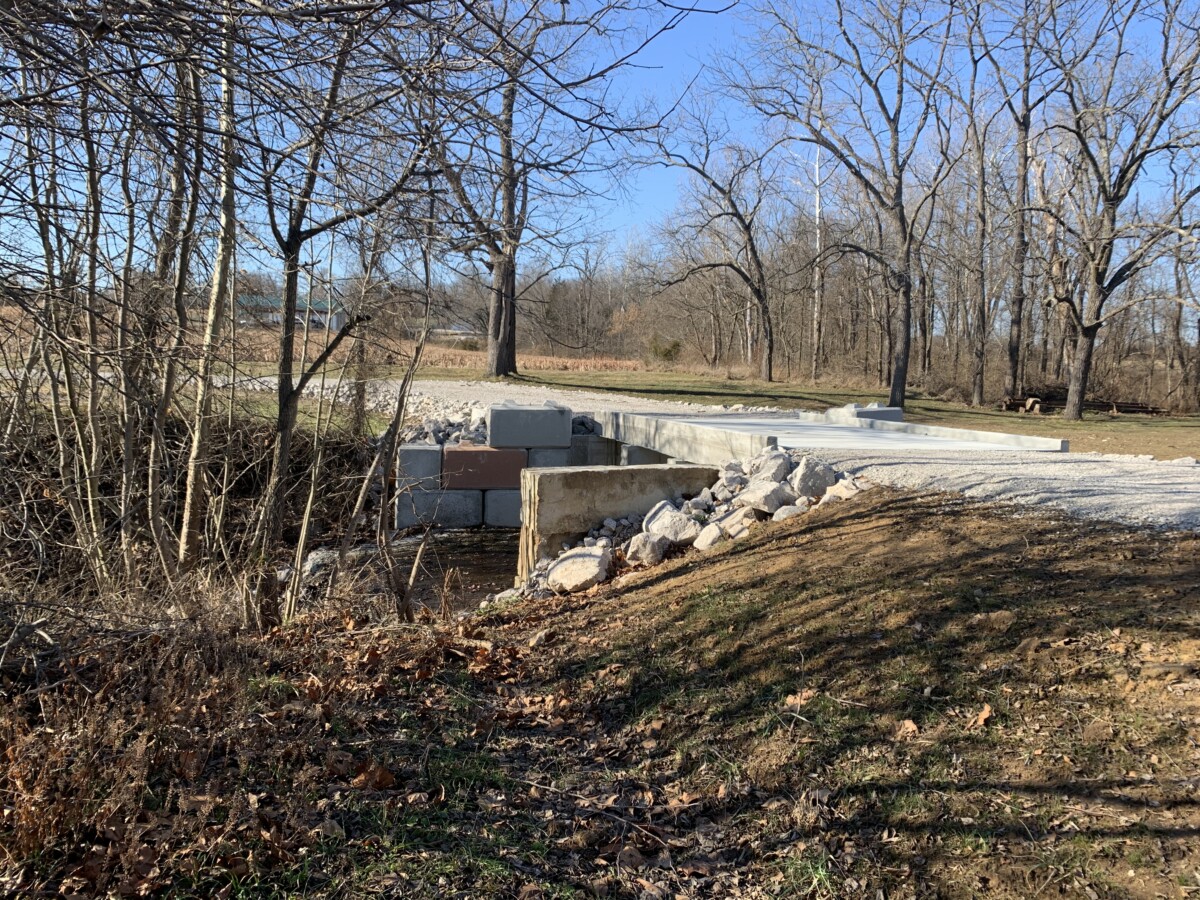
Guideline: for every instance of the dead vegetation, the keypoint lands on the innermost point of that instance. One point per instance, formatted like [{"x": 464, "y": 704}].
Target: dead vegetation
[{"x": 915, "y": 695}]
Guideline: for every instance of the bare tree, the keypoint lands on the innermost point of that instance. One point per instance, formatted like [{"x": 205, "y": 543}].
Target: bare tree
[
  {"x": 1126, "y": 106},
  {"x": 868, "y": 92},
  {"x": 527, "y": 125},
  {"x": 298, "y": 145},
  {"x": 1020, "y": 70},
  {"x": 196, "y": 488},
  {"x": 725, "y": 217}
]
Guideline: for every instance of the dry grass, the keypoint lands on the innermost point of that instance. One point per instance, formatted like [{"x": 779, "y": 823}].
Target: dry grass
[{"x": 475, "y": 360}]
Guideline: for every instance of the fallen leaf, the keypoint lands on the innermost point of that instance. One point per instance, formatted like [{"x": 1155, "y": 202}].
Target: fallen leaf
[
  {"x": 374, "y": 776},
  {"x": 630, "y": 858},
  {"x": 330, "y": 829},
  {"x": 652, "y": 891},
  {"x": 905, "y": 731},
  {"x": 702, "y": 866},
  {"x": 981, "y": 718},
  {"x": 339, "y": 763},
  {"x": 795, "y": 702}
]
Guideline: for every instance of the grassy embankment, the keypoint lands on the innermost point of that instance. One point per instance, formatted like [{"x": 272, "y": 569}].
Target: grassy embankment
[{"x": 913, "y": 695}]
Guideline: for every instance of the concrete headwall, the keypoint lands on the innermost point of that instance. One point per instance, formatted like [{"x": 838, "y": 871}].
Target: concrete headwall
[
  {"x": 561, "y": 505},
  {"x": 682, "y": 440}
]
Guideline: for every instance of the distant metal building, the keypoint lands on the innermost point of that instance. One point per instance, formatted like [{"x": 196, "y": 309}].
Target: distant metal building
[{"x": 267, "y": 310}]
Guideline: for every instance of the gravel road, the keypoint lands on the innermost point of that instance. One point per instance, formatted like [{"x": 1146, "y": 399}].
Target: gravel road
[
  {"x": 475, "y": 392},
  {"x": 1088, "y": 485},
  {"x": 1096, "y": 486}
]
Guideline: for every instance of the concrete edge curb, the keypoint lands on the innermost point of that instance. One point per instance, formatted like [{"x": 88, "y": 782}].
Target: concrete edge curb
[
  {"x": 703, "y": 444},
  {"x": 1018, "y": 441}
]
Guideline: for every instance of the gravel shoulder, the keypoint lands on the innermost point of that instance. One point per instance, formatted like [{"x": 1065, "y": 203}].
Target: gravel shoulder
[
  {"x": 1094, "y": 486},
  {"x": 455, "y": 393},
  {"x": 1091, "y": 486}
]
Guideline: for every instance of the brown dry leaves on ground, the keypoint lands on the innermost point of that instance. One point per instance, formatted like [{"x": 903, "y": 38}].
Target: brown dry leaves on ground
[{"x": 917, "y": 695}]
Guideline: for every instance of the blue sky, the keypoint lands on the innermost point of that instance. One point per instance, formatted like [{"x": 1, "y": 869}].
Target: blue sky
[{"x": 665, "y": 68}]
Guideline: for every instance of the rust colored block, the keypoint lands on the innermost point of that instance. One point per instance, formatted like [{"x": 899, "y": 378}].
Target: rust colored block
[{"x": 467, "y": 467}]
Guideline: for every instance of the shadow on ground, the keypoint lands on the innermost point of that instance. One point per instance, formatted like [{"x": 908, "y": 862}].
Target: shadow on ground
[{"x": 909, "y": 691}]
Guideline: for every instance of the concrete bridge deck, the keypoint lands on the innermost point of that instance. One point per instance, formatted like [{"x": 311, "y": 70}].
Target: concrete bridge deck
[
  {"x": 712, "y": 439},
  {"x": 794, "y": 434}
]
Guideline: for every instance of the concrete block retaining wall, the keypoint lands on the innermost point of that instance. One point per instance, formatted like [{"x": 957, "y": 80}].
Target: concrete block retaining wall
[{"x": 467, "y": 485}]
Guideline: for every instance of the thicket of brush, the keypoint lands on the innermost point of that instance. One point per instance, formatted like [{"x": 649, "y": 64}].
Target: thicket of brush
[{"x": 126, "y": 709}]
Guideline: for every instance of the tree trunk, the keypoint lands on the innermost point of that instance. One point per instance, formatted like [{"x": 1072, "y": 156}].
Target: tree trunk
[
  {"x": 903, "y": 345},
  {"x": 358, "y": 362},
  {"x": 502, "y": 305},
  {"x": 923, "y": 330},
  {"x": 270, "y": 526},
  {"x": 502, "y": 318},
  {"x": 1013, "y": 382},
  {"x": 175, "y": 251},
  {"x": 766, "y": 363},
  {"x": 1085, "y": 344},
  {"x": 979, "y": 348},
  {"x": 197, "y": 486},
  {"x": 818, "y": 309}
]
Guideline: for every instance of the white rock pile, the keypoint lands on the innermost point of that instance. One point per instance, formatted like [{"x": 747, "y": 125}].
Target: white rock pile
[
  {"x": 773, "y": 486},
  {"x": 432, "y": 422},
  {"x": 471, "y": 428}
]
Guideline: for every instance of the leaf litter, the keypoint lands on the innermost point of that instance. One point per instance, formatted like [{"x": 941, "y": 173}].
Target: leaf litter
[{"x": 975, "y": 707}]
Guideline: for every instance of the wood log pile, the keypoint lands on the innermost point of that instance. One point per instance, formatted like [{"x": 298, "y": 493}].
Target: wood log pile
[{"x": 1053, "y": 402}]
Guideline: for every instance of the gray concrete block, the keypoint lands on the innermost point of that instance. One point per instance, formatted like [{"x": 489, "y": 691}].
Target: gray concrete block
[
  {"x": 593, "y": 450},
  {"x": 502, "y": 509},
  {"x": 641, "y": 456},
  {"x": 510, "y": 425},
  {"x": 549, "y": 457},
  {"x": 560, "y": 505},
  {"x": 449, "y": 509},
  {"x": 419, "y": 466}
]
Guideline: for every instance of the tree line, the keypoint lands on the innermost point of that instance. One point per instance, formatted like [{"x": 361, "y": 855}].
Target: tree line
[
  {"x": 953, "y": 176},
  {"x": 155, "y": 153}
]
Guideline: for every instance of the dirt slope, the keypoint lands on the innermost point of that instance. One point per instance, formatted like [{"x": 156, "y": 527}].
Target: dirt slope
[{"x": 918, "y": 695}]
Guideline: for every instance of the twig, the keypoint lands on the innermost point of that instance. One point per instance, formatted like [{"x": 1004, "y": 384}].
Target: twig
[
  {"x": 588, "y": 801},
  {"x": 848, "y": 702}
]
